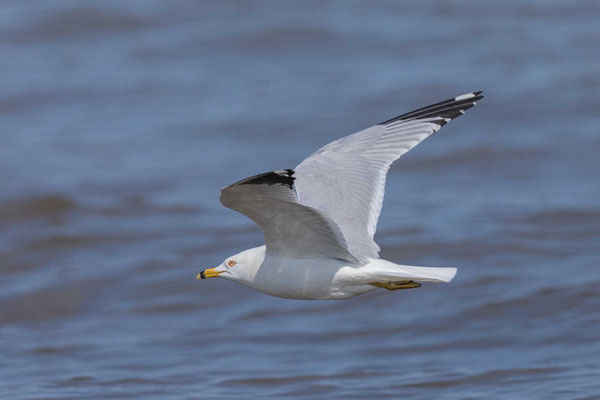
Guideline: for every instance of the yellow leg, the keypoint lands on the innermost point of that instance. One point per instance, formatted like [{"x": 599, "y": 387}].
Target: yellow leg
[{"x": 397, "y": 285}]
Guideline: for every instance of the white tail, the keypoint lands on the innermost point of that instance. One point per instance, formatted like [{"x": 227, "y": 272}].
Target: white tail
[{"x": 388, "y": 271}]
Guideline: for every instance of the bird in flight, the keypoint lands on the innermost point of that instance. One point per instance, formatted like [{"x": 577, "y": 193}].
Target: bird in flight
[{"x": 319, "y": 219}]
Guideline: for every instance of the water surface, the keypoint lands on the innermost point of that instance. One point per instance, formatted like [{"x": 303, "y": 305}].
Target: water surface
[{"x": 121, "y": 122}]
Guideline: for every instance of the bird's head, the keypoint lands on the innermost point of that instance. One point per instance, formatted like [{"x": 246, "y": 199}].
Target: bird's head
[{"x": 240, "y": 267}]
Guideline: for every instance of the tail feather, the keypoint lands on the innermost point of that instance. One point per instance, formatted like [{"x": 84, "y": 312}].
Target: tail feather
[{"x": 419, "y": 274}]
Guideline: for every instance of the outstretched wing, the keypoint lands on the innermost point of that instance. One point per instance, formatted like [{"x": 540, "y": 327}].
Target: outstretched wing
[
  {"x": 345, "y": 179},
  {"x": 290, "y": 229}
]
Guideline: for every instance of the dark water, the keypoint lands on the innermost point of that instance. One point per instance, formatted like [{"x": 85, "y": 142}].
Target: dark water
[{"x": 120, "y": 122}]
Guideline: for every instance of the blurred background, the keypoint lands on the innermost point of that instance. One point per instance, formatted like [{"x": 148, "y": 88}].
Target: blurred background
[{"x": 121, "y": 121}]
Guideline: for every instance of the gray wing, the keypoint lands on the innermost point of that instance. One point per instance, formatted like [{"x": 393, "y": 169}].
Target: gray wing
[
  {"x": 290, "y": 229},
  {"x": 345, "y": 179}
]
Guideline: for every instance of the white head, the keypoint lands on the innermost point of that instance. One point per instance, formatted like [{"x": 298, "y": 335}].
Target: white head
[{"x": 241, "y": 267}]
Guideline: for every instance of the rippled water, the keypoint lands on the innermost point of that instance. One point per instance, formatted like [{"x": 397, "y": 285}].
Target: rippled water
[{"x": 121, "y": 121}]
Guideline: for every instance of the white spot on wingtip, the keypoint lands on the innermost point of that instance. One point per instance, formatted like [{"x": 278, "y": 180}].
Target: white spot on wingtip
[{"x": 464, "y": 96}]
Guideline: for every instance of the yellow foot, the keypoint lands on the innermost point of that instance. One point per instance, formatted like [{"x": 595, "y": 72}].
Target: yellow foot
[{"x": 397, "y": 285}]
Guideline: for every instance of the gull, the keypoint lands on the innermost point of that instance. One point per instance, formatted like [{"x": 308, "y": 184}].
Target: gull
[{"x": 319, "y": 219}]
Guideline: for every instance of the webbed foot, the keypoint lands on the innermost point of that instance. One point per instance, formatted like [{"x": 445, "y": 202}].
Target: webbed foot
[{"x": 397, "y": 285}]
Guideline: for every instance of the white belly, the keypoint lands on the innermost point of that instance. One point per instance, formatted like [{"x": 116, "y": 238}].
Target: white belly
[{"x": 310, "y": 279}]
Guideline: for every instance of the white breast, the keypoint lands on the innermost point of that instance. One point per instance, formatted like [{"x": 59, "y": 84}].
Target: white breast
[{"x": 308, "y": 279}]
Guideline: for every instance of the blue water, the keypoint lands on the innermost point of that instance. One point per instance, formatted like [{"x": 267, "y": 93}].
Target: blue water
[{"x": 122, "y": 120}]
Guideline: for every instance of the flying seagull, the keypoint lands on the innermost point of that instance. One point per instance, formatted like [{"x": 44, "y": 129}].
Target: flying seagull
[{"x": 319, "y": 219}]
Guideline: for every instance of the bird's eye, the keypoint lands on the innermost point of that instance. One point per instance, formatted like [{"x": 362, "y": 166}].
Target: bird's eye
[{"x": 231, "y": 263}]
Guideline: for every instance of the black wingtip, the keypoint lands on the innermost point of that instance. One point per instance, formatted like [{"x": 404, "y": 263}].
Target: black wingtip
[
  {"x": 282, "y": 177},
  {"x": 445, "y": 110}
]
